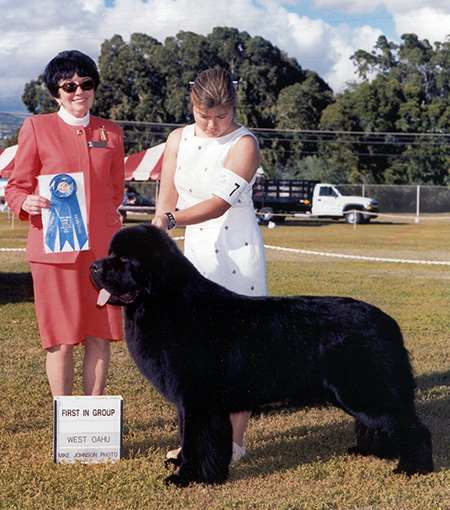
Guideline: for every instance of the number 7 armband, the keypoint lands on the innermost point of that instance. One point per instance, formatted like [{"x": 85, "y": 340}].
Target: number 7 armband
[{"x": 229, "y": 186}]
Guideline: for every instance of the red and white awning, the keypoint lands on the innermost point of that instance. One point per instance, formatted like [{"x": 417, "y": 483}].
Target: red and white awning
[
  {"x": 7, "y": 161},
  {"x": 142, "y": 166},
  {"x": 145, "y": 165}
]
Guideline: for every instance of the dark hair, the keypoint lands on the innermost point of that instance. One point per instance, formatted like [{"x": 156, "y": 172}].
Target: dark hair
[
  {"x": 65, "y": 65},
  {"x": 213, "y": 88}
]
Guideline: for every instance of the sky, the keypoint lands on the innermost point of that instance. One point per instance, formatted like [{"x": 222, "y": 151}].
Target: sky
[{"x": 320, "y": 34}]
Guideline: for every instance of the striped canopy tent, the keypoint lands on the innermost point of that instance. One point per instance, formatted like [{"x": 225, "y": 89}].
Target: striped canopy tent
[
  {"x": 145, "y": 165},
  {"x": 7, "y": 161}
]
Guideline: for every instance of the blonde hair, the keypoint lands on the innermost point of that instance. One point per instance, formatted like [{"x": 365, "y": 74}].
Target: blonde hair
[{"x": 213, "y": 88}]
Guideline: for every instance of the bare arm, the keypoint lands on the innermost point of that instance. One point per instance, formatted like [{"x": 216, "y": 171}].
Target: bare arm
[
  {"x": 168, "y": 196},
  {"x": 243, "y": 160}
]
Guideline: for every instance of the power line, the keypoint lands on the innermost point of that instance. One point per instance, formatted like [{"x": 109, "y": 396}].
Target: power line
[
  {"x": 321, "y": 138},
  {"x": 295, "y": 131},
  {"x": 324, "y": 138}
]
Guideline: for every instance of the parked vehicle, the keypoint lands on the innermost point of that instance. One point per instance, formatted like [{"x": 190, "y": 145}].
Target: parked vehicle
[
  {"x": 275, "y": 198},
  {"x": 134, "y": 198},
  {"x": 134, "y": 202}
]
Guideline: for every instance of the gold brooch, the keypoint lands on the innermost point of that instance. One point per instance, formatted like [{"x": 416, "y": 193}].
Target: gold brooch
[{"x": 103, "y": 136}]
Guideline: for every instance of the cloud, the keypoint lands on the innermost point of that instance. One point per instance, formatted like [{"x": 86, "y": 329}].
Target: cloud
[
  {"x": 33, "y": 32},
  {"x": 318, "y": 46},
  {"x": 315, "y": 44},
  {"x": 355, "y": 7},
  {"x": 430, "y": 23}
]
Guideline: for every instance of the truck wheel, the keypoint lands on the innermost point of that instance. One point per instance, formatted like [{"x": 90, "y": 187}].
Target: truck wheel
[
  {"x": 353, "y": 217},
  {"x": 265, "y": 215}
]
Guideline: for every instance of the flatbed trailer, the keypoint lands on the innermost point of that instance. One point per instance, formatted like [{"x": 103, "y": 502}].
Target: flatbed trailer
[{"x": 275, "y": 198}]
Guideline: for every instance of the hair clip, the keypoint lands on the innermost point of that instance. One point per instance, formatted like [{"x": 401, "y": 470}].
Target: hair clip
[{"x": 235, "y": 83}]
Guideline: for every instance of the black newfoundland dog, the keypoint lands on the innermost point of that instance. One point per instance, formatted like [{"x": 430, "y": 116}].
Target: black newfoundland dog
[{"x": 211, "y": 352}]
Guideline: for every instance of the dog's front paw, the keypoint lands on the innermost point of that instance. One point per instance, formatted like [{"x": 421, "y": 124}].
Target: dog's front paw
[
  {"x": 356, "y": 450},
  {"x": 177, "y": 480},
  {"x": 172, "y": 463},
  {"x": 409, "y": 468}
]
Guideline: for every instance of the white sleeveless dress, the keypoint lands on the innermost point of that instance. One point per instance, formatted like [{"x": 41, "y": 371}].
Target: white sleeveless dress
[{"x": 228, "y": 250}]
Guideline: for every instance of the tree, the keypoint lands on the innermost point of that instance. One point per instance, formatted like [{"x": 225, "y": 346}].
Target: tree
[
  {"x": 399, "y": 113},
  {"x": 319, "y": 169},
  {"x": 37, "y": 99},
  {"x": 147, "y": 81},
  {"x": 382, "y": 62},
  {"x": 130, "y": 88}
]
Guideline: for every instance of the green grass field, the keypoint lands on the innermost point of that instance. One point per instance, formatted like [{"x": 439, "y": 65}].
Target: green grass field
[{"x": 296, "y": 458}]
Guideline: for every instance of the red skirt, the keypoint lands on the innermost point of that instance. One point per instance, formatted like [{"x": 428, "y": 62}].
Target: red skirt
[{"x": 66, "y": 304}]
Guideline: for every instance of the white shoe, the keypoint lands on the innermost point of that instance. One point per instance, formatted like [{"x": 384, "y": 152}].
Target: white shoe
[
  {"x": 173, "y": 454},
  {"x": 238, "y": 453}
]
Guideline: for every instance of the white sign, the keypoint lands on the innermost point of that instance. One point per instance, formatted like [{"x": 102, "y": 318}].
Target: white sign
[{"x": 88, "y": 429}]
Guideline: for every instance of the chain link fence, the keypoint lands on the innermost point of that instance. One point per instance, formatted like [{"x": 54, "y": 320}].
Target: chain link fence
[
  {"x": 391, "y": 199},
  {"x": 404, "y": 199},
  {"x": 415, "y": 200}
]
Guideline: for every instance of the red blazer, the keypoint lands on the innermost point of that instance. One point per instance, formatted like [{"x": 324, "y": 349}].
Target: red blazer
[{"x": 48, "y": 145}]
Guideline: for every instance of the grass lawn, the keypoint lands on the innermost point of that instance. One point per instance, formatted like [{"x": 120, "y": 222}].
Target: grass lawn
[{"x": 296, "y": 458}]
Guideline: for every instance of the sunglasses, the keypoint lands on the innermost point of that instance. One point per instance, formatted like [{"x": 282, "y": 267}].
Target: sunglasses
[{"x": 71, "y": 87}]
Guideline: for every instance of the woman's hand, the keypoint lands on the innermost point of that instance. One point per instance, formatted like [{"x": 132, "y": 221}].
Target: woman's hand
[
  {"x": 34, "y": 204},
  {"x": 161, "y": 221}
]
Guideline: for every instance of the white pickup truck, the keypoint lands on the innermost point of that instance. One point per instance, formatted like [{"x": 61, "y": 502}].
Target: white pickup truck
[
  {"x": 275, "y": 198},
  {"x": 331, "y": 202}
]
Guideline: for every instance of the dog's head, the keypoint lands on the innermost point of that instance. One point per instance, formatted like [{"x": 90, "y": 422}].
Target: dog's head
[{"x": 138, "y": 261}]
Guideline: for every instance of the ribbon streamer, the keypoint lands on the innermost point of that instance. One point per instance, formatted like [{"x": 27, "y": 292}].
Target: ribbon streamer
[{"x": 65, "y": 214}]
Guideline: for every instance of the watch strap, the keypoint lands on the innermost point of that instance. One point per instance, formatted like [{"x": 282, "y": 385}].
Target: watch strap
[{"x": 172, "y": 222}]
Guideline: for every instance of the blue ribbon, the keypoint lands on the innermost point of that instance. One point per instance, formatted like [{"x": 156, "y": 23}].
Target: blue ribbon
[{"x": 65, "y": 214}]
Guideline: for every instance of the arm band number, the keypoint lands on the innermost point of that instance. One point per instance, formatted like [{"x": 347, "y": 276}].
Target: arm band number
[{"x": 235, "y": 189}]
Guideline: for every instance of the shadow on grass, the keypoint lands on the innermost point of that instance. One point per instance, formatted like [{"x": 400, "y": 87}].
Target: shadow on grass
[
  {"x": 16, "y": 288},
  {"x": 300, "y": 223},
  {"x": 310, "y": 222},
  {"x": 430, "y": 381},
  {"x": 317, "y": 444},
  {"x": 306, "y": 444},
  {"x": 136, "y": 221},
  {"x": 156, "y": 436},
  {"x": 303, "y": 443},
  {"x": 434, "y": 411},
  {"x": 300, "y": 444}
]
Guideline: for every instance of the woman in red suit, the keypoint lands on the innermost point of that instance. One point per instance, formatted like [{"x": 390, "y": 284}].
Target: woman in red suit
[{"x": 68, "y": 142}]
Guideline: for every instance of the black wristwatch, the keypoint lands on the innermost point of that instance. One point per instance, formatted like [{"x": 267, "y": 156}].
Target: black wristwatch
[{"x": 172, "y": 222}]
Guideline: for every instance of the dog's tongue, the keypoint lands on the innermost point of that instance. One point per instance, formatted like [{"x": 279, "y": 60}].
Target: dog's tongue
[{"x": 103, "y": 297}]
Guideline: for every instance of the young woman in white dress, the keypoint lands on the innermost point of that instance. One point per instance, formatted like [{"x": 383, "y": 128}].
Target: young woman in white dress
[{"x": 206, "y": 185}]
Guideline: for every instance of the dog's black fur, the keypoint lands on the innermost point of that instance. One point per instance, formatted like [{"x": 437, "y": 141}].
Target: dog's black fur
[{"x": 212, "y": 352}]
